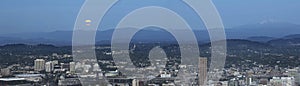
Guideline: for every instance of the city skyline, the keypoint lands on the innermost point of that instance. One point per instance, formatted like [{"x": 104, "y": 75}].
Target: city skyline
[{"x": 149, "y": 43}]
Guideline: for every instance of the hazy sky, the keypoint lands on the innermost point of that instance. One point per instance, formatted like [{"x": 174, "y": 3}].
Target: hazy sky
[{"x": 51, "y": 15}]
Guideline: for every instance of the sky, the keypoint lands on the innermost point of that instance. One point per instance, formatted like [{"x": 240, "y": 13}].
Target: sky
[{"x": 18, "y": 16}]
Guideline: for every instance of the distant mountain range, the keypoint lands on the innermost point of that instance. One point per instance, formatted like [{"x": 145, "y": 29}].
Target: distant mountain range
[
  {"x": 265, "y": 33},
  {"x": 265, "y": 43}
]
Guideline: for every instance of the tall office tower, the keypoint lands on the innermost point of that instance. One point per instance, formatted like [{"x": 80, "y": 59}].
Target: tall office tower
[
  {"x": 135, "y": 82},
  {"x": 72, "y": 67},
  {"x": 202, "y": 75},
  {"x": 49, "y": 66},
  {"x": 39, "y": 64}
]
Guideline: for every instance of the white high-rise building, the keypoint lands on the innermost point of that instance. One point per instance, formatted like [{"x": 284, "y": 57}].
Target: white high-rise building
[
  {"x": 72, "y": 67},
  {"x": 39, "y": 64},
  {"x": 49, "y": 66},
  {"x": 135, "y": 82}
]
